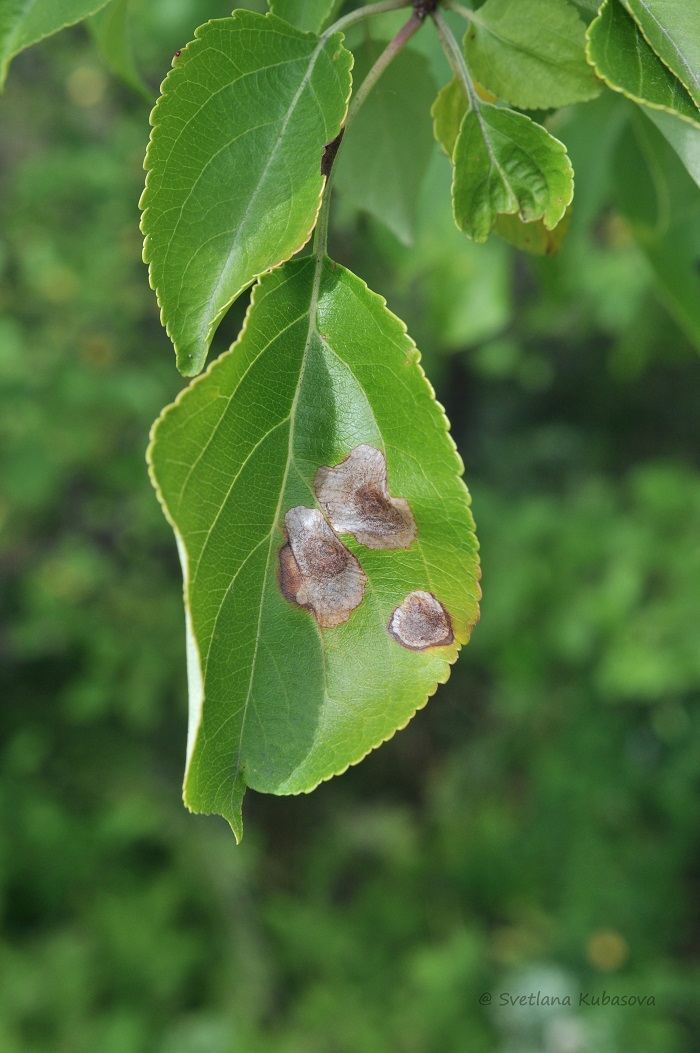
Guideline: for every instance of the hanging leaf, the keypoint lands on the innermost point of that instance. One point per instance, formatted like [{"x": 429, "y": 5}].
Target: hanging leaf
[
  {"x": 23, "y": 24},
  {"x": 534, "y": 238},
  {"x": 683, "y": 137},
  {"x": 448, "y": 112},
  {"x": 234, "y": 181},
  {"x": 505, "y": 163},
  {"x": 530, "y": 54},
  {"x": 327, "y": 545},
  {"x": 672, "y": 28},
  {"x": 624, "y": 60},
  {"x": 307, "y": 15},
  {"x": 112, "y": 31},
  {"x": 387, "y": 151},
  {"x": 660, "y": 201}
]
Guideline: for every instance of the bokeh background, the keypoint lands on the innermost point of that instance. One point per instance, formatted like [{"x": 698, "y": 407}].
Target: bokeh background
[{"x": 535, "y": 828}]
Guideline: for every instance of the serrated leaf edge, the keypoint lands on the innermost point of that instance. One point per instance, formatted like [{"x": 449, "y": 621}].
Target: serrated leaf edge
[
  {"x": 627, "y": 94},
  {"x": 144, "y": 207}
]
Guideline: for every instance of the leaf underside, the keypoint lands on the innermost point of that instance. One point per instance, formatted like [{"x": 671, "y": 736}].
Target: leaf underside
[
  {"x": 234, "y": 181},
  {"x": 23, "y": 24},
  {"x": 530, "y": 54},
  {"x": 307, "y": 15},
  {"x": 387, "y": 151},
  {"x": 276, "y": 702}
]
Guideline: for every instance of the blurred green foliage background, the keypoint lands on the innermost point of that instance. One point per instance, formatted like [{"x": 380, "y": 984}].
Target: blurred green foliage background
[{"x": 535, "y": 828}]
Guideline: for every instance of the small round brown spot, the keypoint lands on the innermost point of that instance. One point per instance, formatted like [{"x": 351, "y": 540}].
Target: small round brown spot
[{"x": 421, "y": 622}]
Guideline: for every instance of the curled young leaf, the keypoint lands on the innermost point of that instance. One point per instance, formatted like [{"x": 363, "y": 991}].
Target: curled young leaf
[
  {"x": 448, "y": 112},
  {"x": 283, "y": 691},
  {"x": 504, "y": 163},
  {"x": 234, "y": 179}
]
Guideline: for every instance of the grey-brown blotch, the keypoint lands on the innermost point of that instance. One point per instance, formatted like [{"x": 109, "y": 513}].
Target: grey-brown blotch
[
  {"x": 421, "y": 621},
  {"x": 317, "y": 571},
  {"x": 355, "y": 497}
]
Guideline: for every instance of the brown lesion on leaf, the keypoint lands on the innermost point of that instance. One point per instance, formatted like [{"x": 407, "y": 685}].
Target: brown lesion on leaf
[
  {"x": 420, "y": 622},
  {"x": 355, "y": 497},
  {"x": 317, "y": 571}
]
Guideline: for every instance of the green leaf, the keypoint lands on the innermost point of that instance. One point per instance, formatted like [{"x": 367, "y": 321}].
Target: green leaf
[
  {"x": 683, "y": 137},
  {"x": 111, "y": 29},
  {"x": 278, "y": 702},
  {"x": 26, "y": 22},
  {"x": 505, "y": 163},
  {"x": 307, "y": 15},
  {"x": 234, "y": 180},
  {"x": 530, "y": 53},
  {"x": 448, "y": 112},
  {"x": 662, "y": 205},
  {"x": 534, "y": 238},
  {"x": 672, "y": 28},
  {"x": 386, "y": 153},
  {"x": 624, "y": 60}
]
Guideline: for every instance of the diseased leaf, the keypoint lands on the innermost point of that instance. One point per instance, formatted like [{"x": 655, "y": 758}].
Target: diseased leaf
[
  {"x": 672, "y": 28},
  {"x": 307, "y": 15},
  {"x": 26, "y": 22},
  {"x": 299, "y": 663},
  {"x": 234, "y": 181},
  {"x": 387, "y": 150},
  {"x": 505, "y": 163},
  {"x": 530, "y": 53},
  {"x": 111, "y": 29},
  {"x": 448, "y": 112},
  {"x": 532, "y": 237},
  {"x": 624, "y": 60}
]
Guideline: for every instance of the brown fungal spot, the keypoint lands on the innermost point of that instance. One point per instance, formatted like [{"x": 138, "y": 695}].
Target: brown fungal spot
[
  {"x": 355, "y": 497},
  {"x": 421, "y": 621},
  {"x": 317, "y": 571}
]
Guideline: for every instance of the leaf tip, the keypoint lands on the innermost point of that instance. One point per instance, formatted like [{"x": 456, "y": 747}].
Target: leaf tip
[{"x": 232, "y": 810}]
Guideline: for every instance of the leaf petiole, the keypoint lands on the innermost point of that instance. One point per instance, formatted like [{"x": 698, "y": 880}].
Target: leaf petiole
[
  {"x": 408, "y": 29},
  {"x": 454, "y": 56},
  {"x": 369, "y": 11}
]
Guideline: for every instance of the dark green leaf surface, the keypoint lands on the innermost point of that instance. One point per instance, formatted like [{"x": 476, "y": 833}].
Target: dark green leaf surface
[
  {"x": 112, "y": 31},
  {"x": 387, "y": 151},
  {"x": 307, "y": 15},
  {"x": 25, "y": 22},
  {"x": 234, "y": 182},
  {"x": 672, "y": 28},
  {"x": 505, "y": 163},
  {"x": 529, "y": 53},
  {"x": 277, "y": 703},
  {"x": 624, "y": 60}
]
